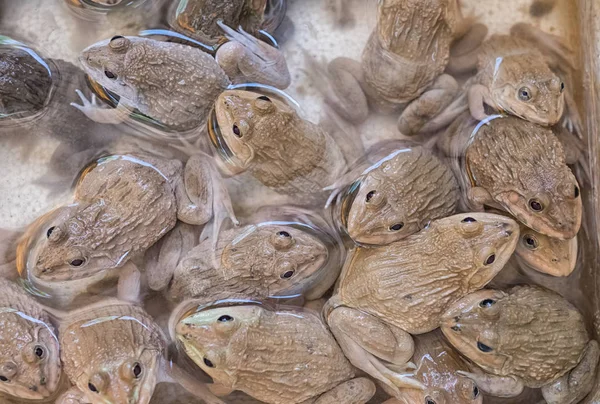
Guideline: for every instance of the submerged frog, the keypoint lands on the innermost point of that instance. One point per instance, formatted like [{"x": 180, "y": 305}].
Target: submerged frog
[
  {"x": 398, "y": 195},
  {"x": 123, "y": 204},
  {"x": 30, "y": 367},
  {"x": 266, "y": 136},
  {"x": 437, "y": 368},
  {"x": 255, "y": 261},
  {"x": 528, "y": 336},
  {"x": 518, "y": 167},
  {"x": 278, "y": 357},
  {"x": 114, "y": 353},
  {"x": 405, "y": 287},
  {"x": 402, "y": 64},
  {"x": 172, "y": 83}
]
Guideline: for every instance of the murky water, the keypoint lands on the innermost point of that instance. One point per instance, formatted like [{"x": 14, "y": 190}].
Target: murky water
[{"x": 304, "y": 209}]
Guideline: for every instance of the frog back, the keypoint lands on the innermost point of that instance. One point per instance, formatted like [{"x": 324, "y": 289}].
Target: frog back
[
  {"x": 541, "y": 334},
  {"x": 291, "y": 353}
]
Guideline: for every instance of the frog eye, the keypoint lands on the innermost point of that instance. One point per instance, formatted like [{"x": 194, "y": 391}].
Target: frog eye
[
  {"x": 397, "y": 227},
  {"x": 92, "y": 388},
  {"x": 225, "y": 319},
  {"x": 562, "y": 86},
  {"x": 98, "y": 382},
  {"x": 50, "y": 230},
  {"x": 264, "y": 98},
  {"x": 490, "y": 259},
  {"x": 524, "y": 94},
  {"x": 536, "y": 205},
  {"x": 576, "y": 193},
  {"x": 287, "y": 274},
  {"x": 282, "y": 240},
  {"x": 208, "y": 363},
  {"x": 137, "y": 370},
  {"x": 483, "y": 347},
  {"x": 77, "y": 262},
  {"x": 119, "y": 43},
  {"x": 370, "y": 195},
  {"x": 236, "y": 131},
  {"x": 429, "y": 400},
  {"x": 475, "y": 392},
  {"x": 3, "y": 379},
  {"x": 39, "y": 352},
  {"x": 485, "y": 303},
  {"x": 110, "y": 74},
  {"x": 530, "y": 242}
]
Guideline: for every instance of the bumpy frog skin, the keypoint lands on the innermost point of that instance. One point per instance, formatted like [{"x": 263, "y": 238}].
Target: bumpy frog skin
[
  {"x": 255, "y": 261},
  {"x": 437, "y": 368},
  {"x": 268, "y": 138},
  {"x": 172, "y": 83},
  {"x": 399, "y": 195},
  {"x": 402, "y": 64},
  {"x": 528, "y": 336},
  {"x": 30, "y": 367},
  {"x": 276, "y": 357},
  {"x": 405, "y": 287},
  {"x": 519, "y": 167}
]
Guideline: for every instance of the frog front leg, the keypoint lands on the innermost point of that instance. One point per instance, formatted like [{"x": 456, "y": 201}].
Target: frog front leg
[
  {"x": 72, "y": 396},
  {"x": 498, "y": 386},
  {"x": 575, "y": 385},
  {"x": 355, "y": 391},
  {"x": 99, "y": 114},
  {"x": 369, "y": 343},
  {"x": 430, "y": 105}
]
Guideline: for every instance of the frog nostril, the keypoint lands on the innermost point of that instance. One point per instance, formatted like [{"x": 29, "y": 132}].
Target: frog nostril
[
  {"x": 43, "y": 381},
  {"x": 33, "y": 388}
]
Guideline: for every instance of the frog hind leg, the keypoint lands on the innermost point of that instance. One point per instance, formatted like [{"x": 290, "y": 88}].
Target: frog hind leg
[
  {"x": 464, "y": 53},
  {"x": 355, "y": 391},
  {"x": 576, "y": 384},
  {"x": 498, "y": 386},
  {"x": 429, "y": 105},
  {"x": 368, "y": 343},
  {"x": 246, "y": 59}
]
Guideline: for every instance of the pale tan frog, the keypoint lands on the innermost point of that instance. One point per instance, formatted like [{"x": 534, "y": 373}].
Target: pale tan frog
[
  {"x": 255, "y": 261},
  {"x": 518, "y": 167},
  {"x": 396, "y": 196},
  {"x": 123, "y": 204},
  {"x": 402, "y": 64},
  {"x": 114, "y": 353},
  {"x": 172, "y": 83},
  {"x": 265, "y": 136},
  {"x": 437, "y": 368},
  {"x": 279, "y": 357},
  {"x": 528, "y": 336},
  {"x": 30, "y": 367},
  {"x": 405, "y": 287}
]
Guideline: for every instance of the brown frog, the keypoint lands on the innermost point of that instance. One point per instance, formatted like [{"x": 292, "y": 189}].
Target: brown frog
[
  {"x": 546, "y": 254},
  {"x": 174, "y": 84},
  {"x": 30, "y": 367},
  {"x": 404, "y": 288},
  {"x": 265, "y": 136},
  {"x": 402, "y": 64},
  {"x": 268, "y": 259},
  {"x": 518, "y": 167},
  {"x": 528, "y": 336},
  {"x": 123, "y": 204},
  {"x": 285, "y": 356},
  {"x": 437, "y": 368},
  {"x": 114, "y": 353},
  {"x": 398, "y": 195}
]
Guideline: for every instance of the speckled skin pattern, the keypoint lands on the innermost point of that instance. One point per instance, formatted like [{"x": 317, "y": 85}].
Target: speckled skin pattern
[
  {"x": 281, "y": 150},
  {"x": 409, "y": 48},
  {"x": 536, "y": 335},
  {"x": 411, "y": 282},
  {"x": 411, "y": 188},
  {"x": 172, "y": 83},
  {"x": 515, "y": 162},
  {"x": 507, "y": 64},
  {"x": 101, "y": 346},
  {"x": 254, "y": 263},
  {"x": 276, "y": 357},
  {"x": 24, "y": 327}
]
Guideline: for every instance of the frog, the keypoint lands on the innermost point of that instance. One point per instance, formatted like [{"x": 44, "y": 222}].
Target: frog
[
  {"x": 437, "y": 366},
  {"x": 516, "y": 166},
  {"x": 526, "y": 336},
  {"x": 30, "y": 367},
  {"x": 265, "y": 136},
  {"x": 128, "y": 67},
  {"x": 113, "y": 352},
  {"x": 122, "y": 205},
  {"x": 403, "y": 288},
  {"x": 199, "y": 19},
  {"x": 275, "y": 356},
  {"x": 261, "y": 260},
  {"x": 394, "y": 194},
  {"x": 402, "y": 66}
]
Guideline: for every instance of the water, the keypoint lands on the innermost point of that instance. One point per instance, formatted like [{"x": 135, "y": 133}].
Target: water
[{"x": 45, "y": 154}]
